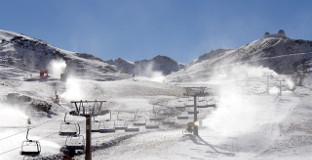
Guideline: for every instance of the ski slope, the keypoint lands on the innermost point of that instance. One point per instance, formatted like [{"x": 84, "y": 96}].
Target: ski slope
[{"x": 248, "y": 123}]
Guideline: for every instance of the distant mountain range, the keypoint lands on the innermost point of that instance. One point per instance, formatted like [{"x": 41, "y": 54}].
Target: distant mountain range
[
  {"x": 159, "y": 63},
  {"x": 276, "y": 51}
]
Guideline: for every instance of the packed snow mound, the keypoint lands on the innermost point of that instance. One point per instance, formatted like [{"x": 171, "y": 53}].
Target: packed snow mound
[
  {"x": 281, "y": 54},
  {"x": 162, "y": 64},
  {"x": 31, "y": 54}
]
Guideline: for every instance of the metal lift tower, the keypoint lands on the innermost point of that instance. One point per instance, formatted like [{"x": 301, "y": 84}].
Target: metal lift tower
[
  {"x": 88, "y": 109},
  {"x": 196, "y": 92}
]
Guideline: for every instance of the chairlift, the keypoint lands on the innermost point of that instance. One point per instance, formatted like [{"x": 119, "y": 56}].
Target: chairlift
[
  {"x": 203, "y": 99},
  {"x": 154, "y": 117},
  {"x": 180, "y": 107},
  {"x": 108, "y": 127},
  {"x": 95, "y": 124},
  {"x": 131, "y": 128},
  {"x": 189, "y": 106},
  {"x": 76, "y": 142},
  {"x": 30, "y": 147},
  {"x": 120, "y": 125},
  {"x": 69, "y": 129},
  {"x": 189, "y": 99},
  {"x": 167, "y": 112},
  {"x": 206, "y": 105},
  {"x": 138, "y": 121},
  {"x": 152, "y": 126},
  {"x": 169, "y": 121},
  {"x": 183, "y": 116},
  {"x": 191, "y": 111}
]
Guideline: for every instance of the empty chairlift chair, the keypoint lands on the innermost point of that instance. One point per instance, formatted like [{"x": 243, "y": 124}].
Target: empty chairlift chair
[
  {"x": 130, "y": 128},
  {"x": 169, "y": 121},
  {"x": 138, "y": 121},
  {"x": 120, "y": 124},
  {"x": 206, "y": 104},
  {"x": 69, "y": 129},
  {"x": 75, "y": 142},
  {"x": 183, "y": 116},
  {"x": 154, "y": 116},
  {"x": 108, "y": 126},
  {"x": 191, "y": 111},
  {"x": 29, "y": 147},
  {"x": 95, "y": 125},
  {"x": 180, "y": 106},
  {"x": 152, "y": 126}
]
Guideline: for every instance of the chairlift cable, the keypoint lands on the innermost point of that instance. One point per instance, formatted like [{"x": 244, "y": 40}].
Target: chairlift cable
[
  {"x": 20, "y": 147},
  {"x": 30, "y": 128}
]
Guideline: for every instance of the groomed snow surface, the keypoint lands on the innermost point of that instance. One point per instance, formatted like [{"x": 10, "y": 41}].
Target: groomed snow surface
[{"x": 248, "y": 123}]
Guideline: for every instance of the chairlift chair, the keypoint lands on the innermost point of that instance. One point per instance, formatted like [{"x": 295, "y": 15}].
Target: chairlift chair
[
  {"x": 179, "y": 106},
  {"x": 69, "y": 129},
  {"x": 120, "y": 125},
  {"x": 138, "y": 121},
  {"x": 152, "y": 126},
  {"x": 191, "y": 111},
  {"x": 75, "y": 142},
  {"x": 207, "y": 105},
  {"x": 183, "y": 116},
  {"x": 108, "y": 127},
  {"x": 154, "y": 117},
  {"x": 167, "y": 112},
  {"x": 189, "y": 106},
  {"x": 131, "y": 128},
  {"x": 169, "y": 121},
  {"x": 95, "y": 125},
  {"x": 30, "y": 147}
]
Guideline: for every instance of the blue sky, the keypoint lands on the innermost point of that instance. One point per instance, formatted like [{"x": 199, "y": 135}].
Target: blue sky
[{"x": 142, "y": 29}]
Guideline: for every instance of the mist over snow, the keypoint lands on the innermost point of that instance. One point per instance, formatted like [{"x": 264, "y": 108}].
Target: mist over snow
[
  {"x": 56, "y": 67},
  {"x": 147, "y": 73},
  {"x": 240, "y": 110}
]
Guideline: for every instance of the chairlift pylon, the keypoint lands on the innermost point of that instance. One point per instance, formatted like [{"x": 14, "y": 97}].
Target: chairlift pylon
[
  {"x": 29, "y": 147},
  {"x": 69, "y": 129}
]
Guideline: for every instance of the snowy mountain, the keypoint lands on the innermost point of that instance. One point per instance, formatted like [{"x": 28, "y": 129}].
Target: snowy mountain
[
  {"x": 256, "y": 116},
  {"x": 279, "y": 53},
  {"x": 162, "y": 64},
  {"x": 26, "y": 53},
  {"x": 210, "y": 54}
]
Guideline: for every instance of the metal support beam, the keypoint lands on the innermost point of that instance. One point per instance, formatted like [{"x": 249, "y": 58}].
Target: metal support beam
[
  {"x": 195, "y": 117},
  {"x": 88, "y": 138}
]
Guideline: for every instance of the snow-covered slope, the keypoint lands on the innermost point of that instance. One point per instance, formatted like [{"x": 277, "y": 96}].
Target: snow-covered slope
[
  {"x": 31, "y": 54},
  {"x": 282, "y": 54}
]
